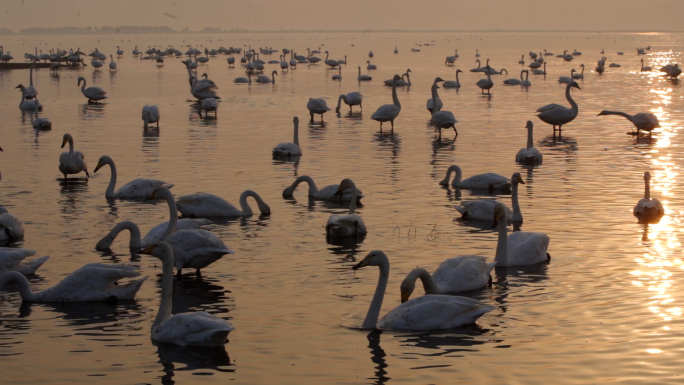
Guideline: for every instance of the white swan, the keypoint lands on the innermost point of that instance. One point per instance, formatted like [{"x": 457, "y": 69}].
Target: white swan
[
  {"x": 136, "y": 189},
  {"x": 441, "y": 119},
  {"x": 388, "y": 112},
  {"x": 557, "y": 115},
  {"x": 350, "y": 225},
  {"x": 156, "y": 234},
  {"x": 150, "y": 114},
  {"x": 266, "y": 79},
  {"x": 28, "y": 105},
  {"x": 370, "y": 66},
  {"x": 195, "y": 249},
  {"x": 645, "y": 69},
  {"x": 526, "y": 82},
  {"x": 487, "y": 181},
  {"x": 483, "y": 209},
  {"x": 330, "y": 62},
  {"x": 12, "y": 259},
  {"x": 184, "y": 329},
  {"x": 202, "y": 90},
  {"x": 579, "y": 75},
  {"x": 31, "y": 92},
  {"x": 11, "y": 228},
  {"x": 41, "y": 124},
  {"x": 513, "y": 81},
  {"x": 462, "y": 273},
  {"x": 645, "y": 121},
  {"x": 567, "y": 79},
  {"x": 647, "y": 209},
  {"x": 428, "y": 312},
  {"x": 317, "y": 106},
  {"x": 327, "y": 193},
  {"x": 351, "y": 99},
  {"x": 338, "y": 75},
  {"x": 540, "y": 71},
  {"x": 71, "y": 162},
  {"x": 363, "y": 78},
  {"x": 289, "y": 149},
  {"x": 112, "y": 63},
  {"x": 209, "y": 205},
  {"x": 518, "y": 248},
  {"x": 486, "y": 84},
  {"x": 247, "y": 80},
  {"x": 434, "y": 98},
  {"x": 208, "y": 105},
  {"x": 92, "y": 93},
  {"x": 452, "y": 83},
  {"x": 92, "y": 282},
  {"x": 529, "y": 155}
]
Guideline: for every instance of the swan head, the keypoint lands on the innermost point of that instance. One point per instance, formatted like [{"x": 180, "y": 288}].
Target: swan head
[
  {"x": 66, "y": 139},
  {"x": 81, "y": 78},
  {"x": 344, "y": 185},
  {"x": 396, "y": 78},
  {"x": 438, "y": 79},
  {"x": 604, "y": 112},
  {"x": 374, "y": 258},
  {"x": 574, "y": 84},
  {"x": 408, "y": 285},
  {"x": 457, "y": 71},
  {"x": 530, "y": 124},
  {"x": 517, "y": 178},
  {"x": 499, "y": 214},
  {"x": 160, "y": 191},
  {"x": 104, "y": 159},
  {"x": 647, "y": 176}
]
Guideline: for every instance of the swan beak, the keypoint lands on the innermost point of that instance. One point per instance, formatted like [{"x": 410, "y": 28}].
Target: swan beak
[
  {"x": 99, "y": 165},
  {"x": 64, "y": 142},
  {"x": 404, "y": 296},
  {"x": 364, "y": 262},
  {"x": 520, "y": 180},
  {"x": 148, "y": 249}
]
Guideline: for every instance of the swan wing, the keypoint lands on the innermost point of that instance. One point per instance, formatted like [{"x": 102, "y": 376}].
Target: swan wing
[
  {"x": 205, "y": 205},
  {"x": 10, "y": 258},
  {"x": 549, "y": 107},
  {"x": 196, "y": 248},
  {"x": 645, "y": 121},
  {"x": 558, "y": 115},
  {"x": 155, "y": 234},
  {"x": 487, "y": 181},
  {"x": 327, "y": 193},
  {"x": 287, "y": 149},
  {"x": 345, "y": 225},
  {"x": 481, "y": 209},
  {"x": 139, "y": 188},
  {"x": 11, "y": 226},
  {"x": 434, "y": 312},
  {"x": 94, "y": 282},
  {"x": 193, "y": 329},
  {"x": 527, "y": 248},
  {"x": 463, "y": 273},
  {"x": 385, "y": 113},
  {"x": 528, "y": 156},
  {"x": 649, "y": 208}
]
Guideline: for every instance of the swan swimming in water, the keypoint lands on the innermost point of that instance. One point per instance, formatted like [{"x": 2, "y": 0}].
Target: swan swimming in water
[
  {"x": 518, "y": 248},
  {"x": 648, "y": 210},
  {"x": 350, "y": 225},
  {"x": 11, "y": 228},
  {"x": 388, "y": 112},
  {"x": 351, "y": 99},
  {"x": 483, "y": 209},
  {"x": 529, "y": 155},
  {"x": 209, "y": 205},
  {"x": 428, "y": 312},
  {"x": 32, "y": 105},
  {"x": 452, "y": 83},
  {"x": 71, "y": 162},
  {"x": 645, "y": 121},
  {"x": 289, "y": 149},
  {"x": 645, "y": 69},
  {"x": 247, "y": 80},
  {"x": 184, "y": 329},
  {"x": 363, "y": 78},
  {"x": 140, "y": 188},
  {"x": 93, "y": 94},
  {"x": 266, "y": 79},
  {"x": 487, "y": 181},
  {"x": 557, "y": 115},
  {"x": 92, "y": 282},
  {"x": 317, "y": 106},
  {"x": 327, "y": 193}
]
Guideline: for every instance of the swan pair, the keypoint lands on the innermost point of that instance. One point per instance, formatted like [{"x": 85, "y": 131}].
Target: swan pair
[
  {"x": 32, "y": 105},
  {"x": 327, "y": 193},
  {"x": 483, "y": 209},
  {"x": 350, "y": 225},
  {"x": 440, "y": 119}
]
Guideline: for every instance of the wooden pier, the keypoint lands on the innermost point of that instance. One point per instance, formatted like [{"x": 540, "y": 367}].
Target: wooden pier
[{"x": 23, "y": 66}]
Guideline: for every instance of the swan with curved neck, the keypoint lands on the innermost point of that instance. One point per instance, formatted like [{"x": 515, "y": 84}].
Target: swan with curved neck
[
  {"x": 648, "y": 209},
  {"x": 350, "y": 225},
  {"x": 209, "y": 205},
  {"x": 483, "y": 209},
  {"x": 156, "y": 234},
  {"x": 486, "y": 181},
  {"x": 529, "y": 155},
  {"x": 71, "y": 162},
  {"x": 645, "y": 69},
  {"x": 441, "y": 119},
  {"x": 184, "y": 329},
  {"x": 428, "y": 312},
  {"x": 452, "y": 83},
  {"x": 434, "y": 99},
  {"x": 645, "y": 121},
  {"x": 266, "y": 79},
  {"x": 327, "y": 193},
  {"x": 92, "y": 282},
  {"x": 518, "y": 248},
  {"x": 351, "y": 99},
  {"x": 557, "y": 115},
  {"x": 140, "y": 188},
  {"x": 363, "y": 78},
  {"x": 289, "y": 149},
  {"x": 92, "y": 93},
  {"x": 526, "y": 82},
  {"x": 331, "y": 63},
  {"x": 579, "y": 75},
  {"x": 247, "y": 80},
  {"x": 388, "y": 112}
]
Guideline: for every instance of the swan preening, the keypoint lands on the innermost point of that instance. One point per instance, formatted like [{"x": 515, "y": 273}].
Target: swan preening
[
  {"x": 462, "y": 273},
  {"x": 487, "y": 181},
  {"x": 388, "y": 112},
  {"x": 350, "y": 225},
  {"x": 518, "y": 248},
  {"x": 290, "y": 149},
  {"x": 140, "y": 188},
  {"x": 645, "y": 121},
  {"x": 317, "y": 106},
  {"x": 184, "y": 329},
  {"x": 92, "y": 282},
  {"x": 209, "y": 205},
  {"x": 351, "y": 99},
  {"x": 150, "y": 114},
  {"x": 428, "y": 312},
  {"x": 11, "y": 228},
  {"x": 648, "y": 210},
  {"x": 557, "y": 115},
  {"x": 92, "y": 93},
  {"x": 12, "y": 259},
  {"x": 529, "y": 155},
  {"x": 327, "y": 193},
  {"x": 71, "y": 162},
  {"x": 483, "y": 209}
]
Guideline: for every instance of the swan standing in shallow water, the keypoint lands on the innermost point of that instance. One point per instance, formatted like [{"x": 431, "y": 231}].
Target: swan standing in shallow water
[
  {"x": 441, "y": 119},
  {"x": 28, "y": 105},
  {"x": 351, "y": 99},
  {"x": 317, "y": 106},
  {"x": 350, "y": 225},
  {"x": 452, "y": 83},
  {"x": 487, "y": 181},
  {"x": 648, "y": 210},
  {"x": 140, "y": 188},
  {"x": 529, "y": 155},
  {"x": 327, "y": 193},
  {"x": 483, "y": 209},
  {"x": 518, "y": 248},
  {"x": 92, "y": 282},
  {"x": 434, "y": 99},
  {"x": 462, "y": 273},
  {"x": 642, "y": 121},
  {"x": 486, "y": 84},
  {"x": 150, "y": 114},
  {"x": 208, "y": 105},
  {"x": 209, "y": 205},
  {"x": 557, "y": 115},
  {"x": 71, "y": 162},
  {"x": 388, "y": 112},
  {"x": 289, "y": 149},
  {"x": 428, "y": 312},
  {"x": 184, "y": 329},
  {"x": 92, "y": 93},
  {"x": 12, "y": 259}
]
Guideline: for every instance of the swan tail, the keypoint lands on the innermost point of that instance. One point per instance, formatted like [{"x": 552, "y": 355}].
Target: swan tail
[{"x": 30, "y": 267}]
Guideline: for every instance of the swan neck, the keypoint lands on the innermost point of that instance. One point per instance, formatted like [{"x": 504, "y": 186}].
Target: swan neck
[
  {"x": 647, "y": 189},
  {"x": 530, "y": 136},
  {"x": 429, "y": 284},
  {"x": 246, "y": 210},
  {"x": 23, "y": 283},
  {"x": 164, "y": 311},
  {"x": 173, "y": 213},
  {"x": 434, "y": 100},
  {"x": 517, "y": 214},
  {"x": 339, "y": 100},
  {"x": 371, "y": 320},
  {"x": 395, "y": 99},
  {"x": 628, "y": 116},
  {"x": 501, "y": 257},
  {"x": 112, "y": 181},
  {"x": 296, "y": 134},
  {"x": 567, "y": 96},
  {"x": 354, "y": 198},
  {"x": 135, "y": 241}
]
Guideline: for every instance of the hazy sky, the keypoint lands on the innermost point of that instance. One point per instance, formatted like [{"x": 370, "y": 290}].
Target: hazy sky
[{"x": 592, "y": 15}]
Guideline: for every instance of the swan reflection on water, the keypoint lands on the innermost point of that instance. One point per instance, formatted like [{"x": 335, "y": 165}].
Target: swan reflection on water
[{"x": 193, "y": 358}]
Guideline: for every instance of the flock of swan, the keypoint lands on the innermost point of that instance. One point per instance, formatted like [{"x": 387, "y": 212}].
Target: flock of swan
[{"x": 183, "y": 244}]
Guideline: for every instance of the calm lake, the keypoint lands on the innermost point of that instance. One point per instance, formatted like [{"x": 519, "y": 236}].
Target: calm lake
[{"x": 608, "y": 307}]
